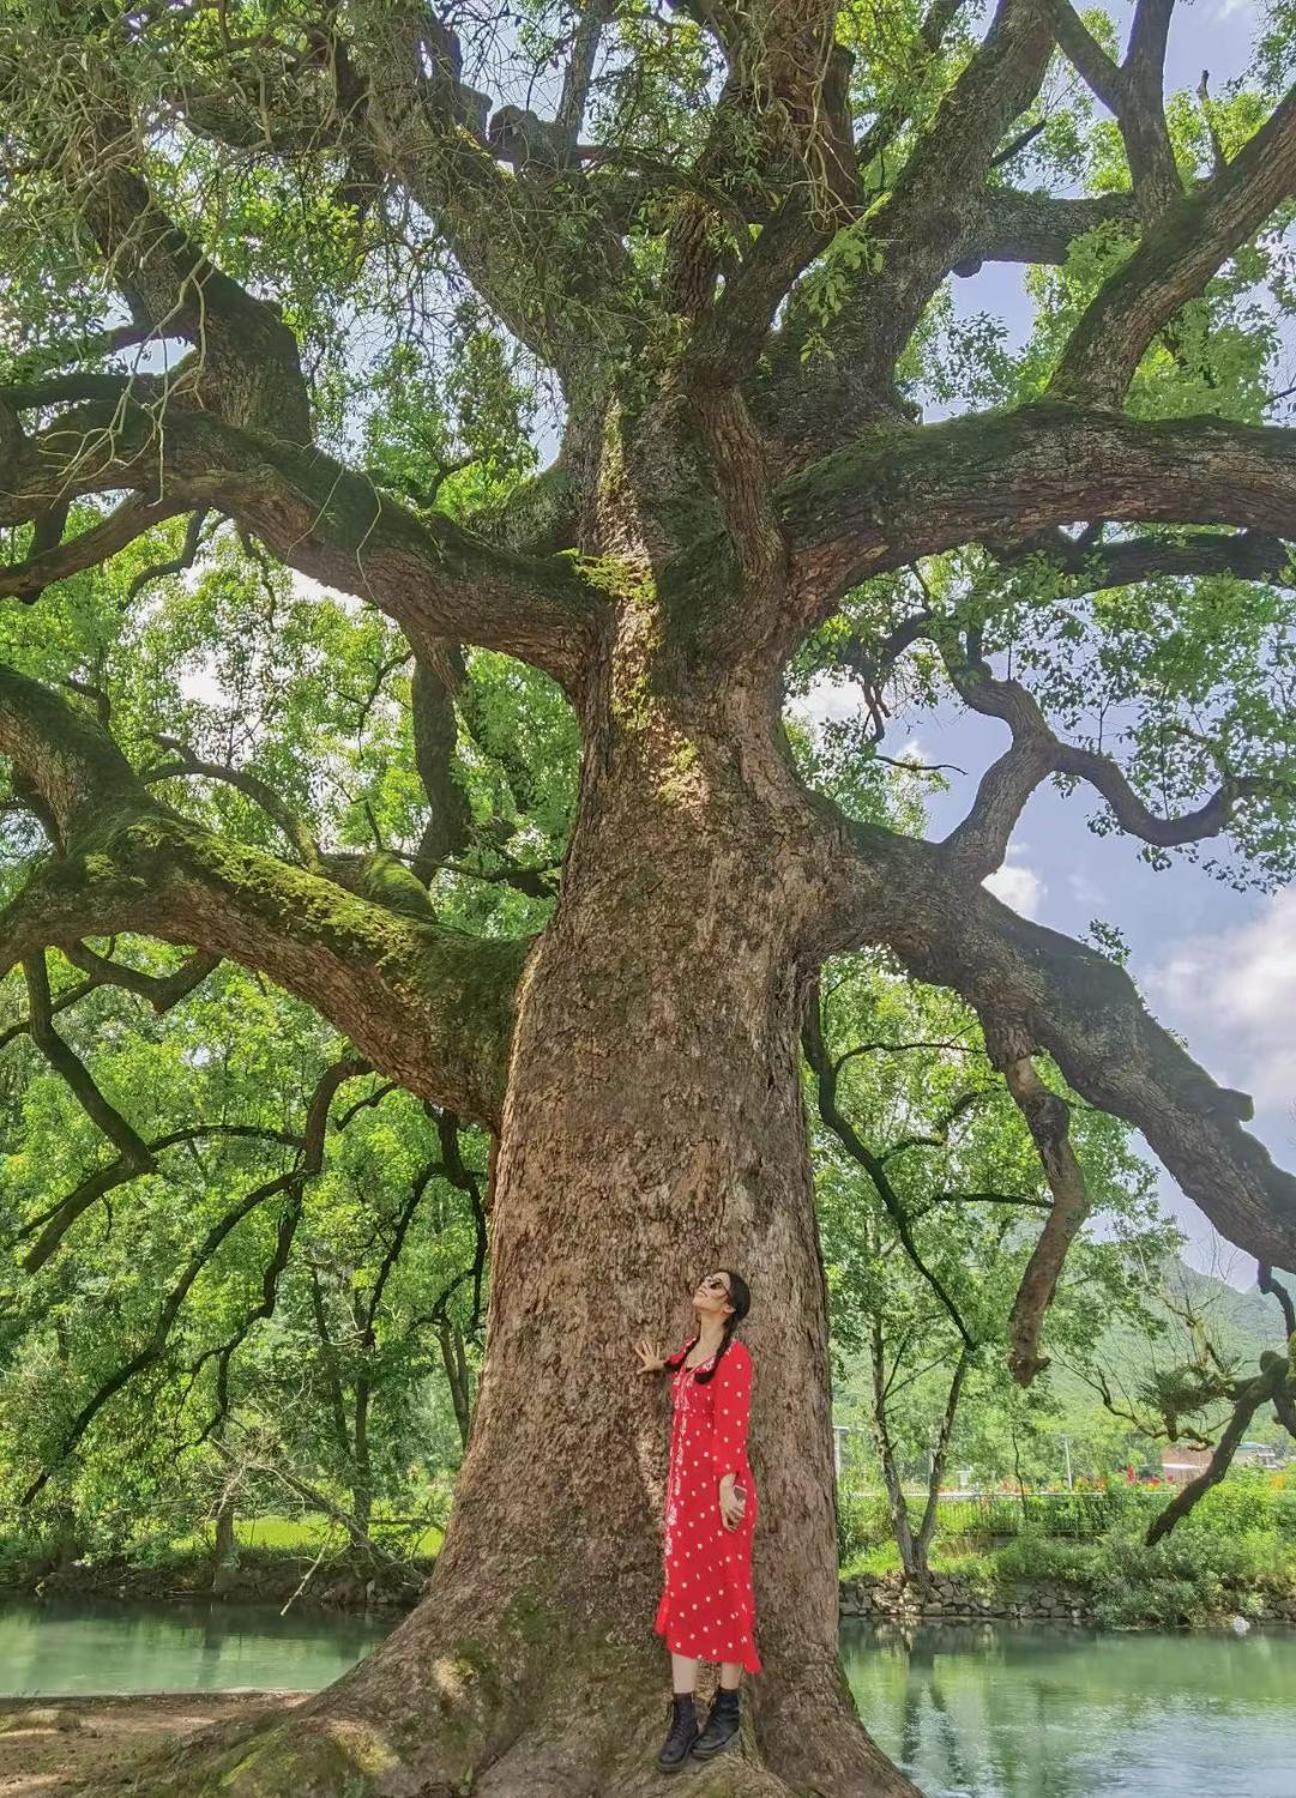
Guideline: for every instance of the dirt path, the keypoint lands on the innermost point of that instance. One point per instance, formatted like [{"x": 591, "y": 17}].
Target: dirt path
[{"x": 59, "y": 1747}]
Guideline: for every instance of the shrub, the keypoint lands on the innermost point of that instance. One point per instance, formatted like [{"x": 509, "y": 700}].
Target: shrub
[{"x": 863, "y": 1523}]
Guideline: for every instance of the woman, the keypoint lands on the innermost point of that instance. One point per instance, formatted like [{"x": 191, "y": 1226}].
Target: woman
[{"x": 707, "y": 1611}]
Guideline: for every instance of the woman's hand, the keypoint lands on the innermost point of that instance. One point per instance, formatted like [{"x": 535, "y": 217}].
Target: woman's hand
[
  {"x": 731, "y": 1508},
  {"x": 652, "y": 1361}
]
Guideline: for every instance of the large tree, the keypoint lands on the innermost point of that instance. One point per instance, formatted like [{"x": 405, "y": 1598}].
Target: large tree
[{"x": 720, "y": 246}]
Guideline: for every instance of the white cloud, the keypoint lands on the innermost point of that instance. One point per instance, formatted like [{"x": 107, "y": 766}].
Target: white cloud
[
  {"x": 1238, "y": 989},
  {"x": 1017, "y": 885},
  {"x": 827, "y": 699}
]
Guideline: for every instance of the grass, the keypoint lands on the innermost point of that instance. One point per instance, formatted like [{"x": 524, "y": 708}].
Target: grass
[
  {"x": 1237, "y": 1543},
  {"x": 299, "y": 1536}
]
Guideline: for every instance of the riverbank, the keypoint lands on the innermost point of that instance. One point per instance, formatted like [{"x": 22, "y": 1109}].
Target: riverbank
[
  {"x": 261, "y": 1576},
  {"x": 51, "y": 1749},
  {"x": 991, "y": 1590},
  {"x": 949, "y": 1595}
]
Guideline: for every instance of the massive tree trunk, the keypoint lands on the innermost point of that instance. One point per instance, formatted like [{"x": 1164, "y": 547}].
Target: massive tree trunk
[{"x": 653, "y": 1128}]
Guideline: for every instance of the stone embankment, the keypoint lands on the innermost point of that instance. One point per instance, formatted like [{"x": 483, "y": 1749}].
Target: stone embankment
[{"x": 892, "y": 1598}]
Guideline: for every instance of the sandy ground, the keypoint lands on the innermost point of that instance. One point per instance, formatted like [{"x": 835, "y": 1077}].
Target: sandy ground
[{"x": 57, "y": 1747}]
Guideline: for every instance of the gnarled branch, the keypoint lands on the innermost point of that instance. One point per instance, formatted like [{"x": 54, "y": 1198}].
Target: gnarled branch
[{"x": 1062, "y": 997}]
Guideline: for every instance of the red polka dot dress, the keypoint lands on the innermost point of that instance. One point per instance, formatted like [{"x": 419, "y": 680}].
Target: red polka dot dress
[{"x": 707, "y": 1608}]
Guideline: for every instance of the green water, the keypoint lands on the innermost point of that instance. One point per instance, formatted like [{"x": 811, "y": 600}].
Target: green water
[
  {"x": 970, "y": 1711},
  {"x": 1029, "y": 1711},
  {"x": 64, "y": 1646}
]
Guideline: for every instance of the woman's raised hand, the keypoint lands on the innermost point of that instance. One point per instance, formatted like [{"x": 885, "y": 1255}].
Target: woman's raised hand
[{"x": 652, "y": 1361}]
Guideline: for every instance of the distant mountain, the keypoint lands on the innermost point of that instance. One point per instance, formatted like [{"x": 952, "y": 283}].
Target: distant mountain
[
  {"x": 1238, "y": 1326},
  {"x": 1238, "y": 1323}
]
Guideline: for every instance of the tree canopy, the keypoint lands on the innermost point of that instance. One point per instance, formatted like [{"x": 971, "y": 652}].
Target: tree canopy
[{"x": 434, "y": 446}]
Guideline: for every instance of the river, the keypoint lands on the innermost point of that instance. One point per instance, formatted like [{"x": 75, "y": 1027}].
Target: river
[{"x": 970, "y": 1711}]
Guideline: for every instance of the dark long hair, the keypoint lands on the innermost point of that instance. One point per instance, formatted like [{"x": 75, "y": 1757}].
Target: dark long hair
[{"x": 740, "y": 1299}]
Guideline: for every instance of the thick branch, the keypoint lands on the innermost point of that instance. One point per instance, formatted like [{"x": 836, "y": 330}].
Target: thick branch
[
  {"x": 1268, "y": 1384},
  {"x": 902, "y": 493},
  {"x": 1005, "y": 225},
  {"x": 1275, "y": 1288},
  {"x": 1048, "y": 1118},
  {"x": 434, "y": 578},
  {"x": 918, "y": 230},
  {"x": 133, "y": 518},
  {"x": 1177, "y": 256},
  {"x": 1066, "y": 999},
  {"x": 1247, "y": 555},
  {"x": 979, "y": 843},
  {"x": 437, "y": 669},
  {"x": 536, "y": 250},
  {"x": 74, "y": 1071},
  {"x": 1132, "y": 91},
  {"x": 430, "y": 1007}
]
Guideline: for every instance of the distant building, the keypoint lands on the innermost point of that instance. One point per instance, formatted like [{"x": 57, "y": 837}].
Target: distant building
[
  {"x": 1257, "y": 1454},
  {"x": 1180, "y": 1464}
]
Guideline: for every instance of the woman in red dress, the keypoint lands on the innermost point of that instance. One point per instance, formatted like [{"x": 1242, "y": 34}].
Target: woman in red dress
[{"x": 707, "y": 1611}]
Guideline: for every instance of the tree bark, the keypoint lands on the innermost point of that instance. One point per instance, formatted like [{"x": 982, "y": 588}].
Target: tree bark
[
  {"x": 455, "y": 1362},
  {"x": 940, "y": 1455},
  {"x": 653, "y": 1128},
  {"x": 225, "y": 1553},
  {"x": 910, "y": 1557}
]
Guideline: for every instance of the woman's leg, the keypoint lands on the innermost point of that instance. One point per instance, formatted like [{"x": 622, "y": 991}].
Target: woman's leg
[
  {"x": 722, "y": 1725},
  {"x": 684, "y": 1672},
  {"x": 683, "y": 1731}
]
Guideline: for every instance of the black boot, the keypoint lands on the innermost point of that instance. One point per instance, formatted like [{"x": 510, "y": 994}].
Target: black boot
[
  {"x": 683, "y": 1733},
  {"x": 722, "y": 1726}
]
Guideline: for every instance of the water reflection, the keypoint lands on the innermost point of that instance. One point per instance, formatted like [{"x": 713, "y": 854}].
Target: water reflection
[
  {"x": 1034, "y": 1711},
  {"x": 65, "y": 1646}
]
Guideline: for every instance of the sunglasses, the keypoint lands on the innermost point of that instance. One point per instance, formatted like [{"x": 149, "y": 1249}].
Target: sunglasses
[{"x": 714, "y": 1284}]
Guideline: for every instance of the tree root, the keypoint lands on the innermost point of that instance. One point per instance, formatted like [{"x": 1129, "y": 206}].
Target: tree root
[{"x": 555, "y": 1720}]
